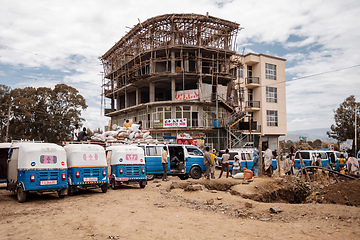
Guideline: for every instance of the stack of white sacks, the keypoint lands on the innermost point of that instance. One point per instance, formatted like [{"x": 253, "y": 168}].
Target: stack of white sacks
[{"x": 130, "y": 134}]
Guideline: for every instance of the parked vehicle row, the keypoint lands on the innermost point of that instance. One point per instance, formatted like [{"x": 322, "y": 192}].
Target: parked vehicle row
[{"x": 34, "y": 167}]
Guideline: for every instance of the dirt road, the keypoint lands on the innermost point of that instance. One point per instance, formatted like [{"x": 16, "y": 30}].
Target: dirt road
[{"x": 158, "y": 212}]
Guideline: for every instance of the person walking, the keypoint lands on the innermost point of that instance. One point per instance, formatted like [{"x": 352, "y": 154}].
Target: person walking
[
  {"x": 267, "y": 162},
  {"x": 207, "y": 162},
  {"x": 164, "y": 162},
  {"x": 213, "y": 163},
  {"x": 255, "y": 167},
  {"x": 225, "y": 163}
]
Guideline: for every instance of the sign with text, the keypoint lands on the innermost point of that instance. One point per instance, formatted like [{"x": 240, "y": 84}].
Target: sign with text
[
  {"x": 158, "y": 124},
  {"x": 187, "y": 95},
  {"x": 179, "y": 122}
]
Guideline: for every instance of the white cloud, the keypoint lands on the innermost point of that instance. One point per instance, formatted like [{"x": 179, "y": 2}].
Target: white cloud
[{"x": 69, "y": 36}]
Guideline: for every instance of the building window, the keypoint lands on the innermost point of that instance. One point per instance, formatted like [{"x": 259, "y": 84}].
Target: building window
[
  {"x": 271, "y": 94},
  {"x": 240, "y": 72},
  {"x": 272, "y": 118},
  {"x": 241, "y": 95},
  {"x": 270, "y": 71}
]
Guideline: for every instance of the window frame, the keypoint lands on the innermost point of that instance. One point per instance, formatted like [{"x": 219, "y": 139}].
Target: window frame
[
  {"x": 271, "y": 96},
  {"x": 272, "y": 118},
  {"x": 270, "y": 71}
]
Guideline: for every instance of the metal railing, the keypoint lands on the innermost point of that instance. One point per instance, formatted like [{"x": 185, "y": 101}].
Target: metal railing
[
  {"x": 252, "y": 104},
  {"x": 252, "y": 80}
]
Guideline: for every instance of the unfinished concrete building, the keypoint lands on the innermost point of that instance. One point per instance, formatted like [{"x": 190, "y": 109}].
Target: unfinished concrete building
[{"x": 169, "y": 71}]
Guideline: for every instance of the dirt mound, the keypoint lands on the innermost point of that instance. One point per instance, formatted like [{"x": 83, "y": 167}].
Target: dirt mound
[{"x": 345, "y": 193}]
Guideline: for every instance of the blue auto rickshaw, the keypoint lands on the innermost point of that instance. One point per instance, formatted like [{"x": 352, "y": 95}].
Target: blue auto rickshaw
[
  {"x": 37, "y": 167},
  {"x": 127, "y": 165},
  {"x": 87, "y": 167}
]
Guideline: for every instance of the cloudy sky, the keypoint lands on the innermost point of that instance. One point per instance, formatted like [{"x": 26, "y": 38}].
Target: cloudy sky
[{"x": 43, "y": 43}]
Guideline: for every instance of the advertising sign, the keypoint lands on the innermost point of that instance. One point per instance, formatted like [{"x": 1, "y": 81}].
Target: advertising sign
[
  {"x": 179, "y": 122},
  {"x": 158, "y": 124},
  {"x": 187, "y": 95}
]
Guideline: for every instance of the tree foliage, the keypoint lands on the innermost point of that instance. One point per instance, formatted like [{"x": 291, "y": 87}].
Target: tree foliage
[
  {"x": 44, "y": 113},
  {"x": 4, "y": 107},
  {"x": 344, "y": 116}
]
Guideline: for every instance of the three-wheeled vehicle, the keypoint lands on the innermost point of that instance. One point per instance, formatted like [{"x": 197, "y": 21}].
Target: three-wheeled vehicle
[
  {"x": 87, "y": 167},
  {"x": 4, "y": 153},
  {"x": 37, "y": 167},
  {"x": 127, "y": 165}
]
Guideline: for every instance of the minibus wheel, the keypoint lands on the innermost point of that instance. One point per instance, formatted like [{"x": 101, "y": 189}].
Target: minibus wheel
[
  {"x": 113, "y": 184},
  {"x": 21, "y": 195},
  {"x": 195, "y": 172}
]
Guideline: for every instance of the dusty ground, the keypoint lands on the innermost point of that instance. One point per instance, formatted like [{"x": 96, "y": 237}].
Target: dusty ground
[{"x": 177, "y": 209}]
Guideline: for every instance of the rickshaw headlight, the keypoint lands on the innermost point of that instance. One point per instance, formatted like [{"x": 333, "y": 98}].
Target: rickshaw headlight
[
  {"x": 63, "y": 177},
  {"x": 32, "y": 178},
  {"x": 77, "y": 174},
  {"x": 104, "y": 173},
  {"x": 121, "y": 171}
]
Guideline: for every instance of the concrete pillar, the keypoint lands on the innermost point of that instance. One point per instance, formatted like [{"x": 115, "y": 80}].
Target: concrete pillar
[
  {"x": 152, "y": 92},
  {"x": 186, "y": 62},
  {"x": 173, "y": 89},
  {"x": 172, "y": 56},
  {"x": 126, "y": 99},
  {"x": 137, "y": 96},
  {"x": 201, "y": 116}
]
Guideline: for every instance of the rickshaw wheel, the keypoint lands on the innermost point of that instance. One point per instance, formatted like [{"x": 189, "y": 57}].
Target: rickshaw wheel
[
  {"x": 21, "y": 195},
  {"x": 70, "y": 191},
  {"x": 150, "y": 176},
  {"x": 60, "y": 194},
  {"x": 113, "y": 184},
  {"x": 104, "y": 188},
  {"x": 142, "y": 184}
]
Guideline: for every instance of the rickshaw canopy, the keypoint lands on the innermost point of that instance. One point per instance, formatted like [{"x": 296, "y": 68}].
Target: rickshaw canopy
[{"x": 85, "y": 155}]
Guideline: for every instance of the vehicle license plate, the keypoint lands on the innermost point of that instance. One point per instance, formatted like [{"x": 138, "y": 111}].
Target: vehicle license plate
[
  {"x": 49, "y": 182},
  {"x": 122, "y": 179},
  {"x": 90, "y": 179}
]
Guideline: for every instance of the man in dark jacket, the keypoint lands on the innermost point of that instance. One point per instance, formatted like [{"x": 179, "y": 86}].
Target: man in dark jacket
[{"x": 207, "y": 162}]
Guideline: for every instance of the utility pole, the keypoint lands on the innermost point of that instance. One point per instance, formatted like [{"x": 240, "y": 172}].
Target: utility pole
[
  {"x": 8, "y": 122},
  {"x": 355, "y": 130}
]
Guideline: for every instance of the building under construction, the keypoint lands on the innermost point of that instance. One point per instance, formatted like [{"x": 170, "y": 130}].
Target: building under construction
[{"x": 175, "y": 73}]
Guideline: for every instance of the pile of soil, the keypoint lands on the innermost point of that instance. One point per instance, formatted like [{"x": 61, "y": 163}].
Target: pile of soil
[{"x": 345, "y": 193}]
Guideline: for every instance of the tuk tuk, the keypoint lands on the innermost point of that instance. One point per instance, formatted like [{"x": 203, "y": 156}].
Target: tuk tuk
[
  {"x": 127, "y": 165},
  {"x": 87, "y": 167},
  {"x": 36, "y": 167},
  {"x": 4, "y": 153}
]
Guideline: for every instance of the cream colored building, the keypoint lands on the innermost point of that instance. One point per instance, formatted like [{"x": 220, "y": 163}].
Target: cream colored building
[{"x": 262, "y": 89}]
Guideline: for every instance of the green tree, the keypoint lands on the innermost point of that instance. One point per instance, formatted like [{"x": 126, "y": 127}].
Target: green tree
[
  {"x": 344, "y": 117},
  {"x": 44, "y": 113},
  {"x": 4, "y": 109}
]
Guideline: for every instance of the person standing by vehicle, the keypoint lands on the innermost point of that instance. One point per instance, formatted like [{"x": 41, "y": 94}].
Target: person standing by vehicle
[
  {"x": 164, "y": 162},
  {"x": 236, "y": 166},
  {"x": 352, "y": 165},
  {"x": 341, "y": 162},
  {"x": 225, "y": 163},
  {"x": 213, "y": 162},
  {"x": 318, "y": 160},
  {"x": 207, "y": 162},
  {"x": 256, "y": 162},
  {"x": 267, "y": 162},
  {"x": 76, "y": 132}
]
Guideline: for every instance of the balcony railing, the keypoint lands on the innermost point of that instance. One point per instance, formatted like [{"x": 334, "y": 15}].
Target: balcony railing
[
  {"x": 252, "y": 80},
  {"x": 252, "y": 104}
]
